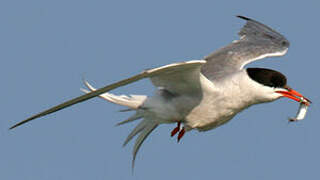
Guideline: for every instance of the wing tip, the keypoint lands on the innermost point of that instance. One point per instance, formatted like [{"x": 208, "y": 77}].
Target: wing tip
[
  {"x": 19, "y": 124},
  {"x": 14, "y": 126},
  {"x": 243, "y": 17}
]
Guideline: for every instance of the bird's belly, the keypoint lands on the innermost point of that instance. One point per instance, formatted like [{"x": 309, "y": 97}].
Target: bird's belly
[
  {"x": 203, "y": 120},
  {"x": 211, "y": 114},
  {"x": 214, "y": 123}
]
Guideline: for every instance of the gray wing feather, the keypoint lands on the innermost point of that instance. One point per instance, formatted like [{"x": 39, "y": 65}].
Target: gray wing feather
[
  {"x": 256, "y": 30},
  {"x": 257, "y": 41},
  {"x": 155, "y": 74},
  {"x": 82, "y": 98}
]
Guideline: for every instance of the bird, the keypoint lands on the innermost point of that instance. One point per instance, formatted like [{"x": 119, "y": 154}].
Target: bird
[{"x": 200, "y": 94}]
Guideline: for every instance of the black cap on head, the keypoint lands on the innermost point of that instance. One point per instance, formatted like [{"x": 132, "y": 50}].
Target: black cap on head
[{"x": 267, "y": 77}]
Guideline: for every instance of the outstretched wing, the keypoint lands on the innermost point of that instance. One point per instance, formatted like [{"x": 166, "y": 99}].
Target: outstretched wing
[
  {"x": 257, "y": 41},
  {"x": 177, "y": 77}
]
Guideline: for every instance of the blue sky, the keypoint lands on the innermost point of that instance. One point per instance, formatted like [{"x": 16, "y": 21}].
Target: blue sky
[{"x": 48, "y": 46}]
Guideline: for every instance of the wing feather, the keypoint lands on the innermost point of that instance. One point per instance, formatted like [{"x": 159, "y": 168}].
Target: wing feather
[
  {"x": 257, "y": 41},
  {"x": 157, "y": 75}
]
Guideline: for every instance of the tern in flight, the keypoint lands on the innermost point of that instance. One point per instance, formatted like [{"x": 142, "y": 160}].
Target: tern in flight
[{"x": 201, "y": 94}]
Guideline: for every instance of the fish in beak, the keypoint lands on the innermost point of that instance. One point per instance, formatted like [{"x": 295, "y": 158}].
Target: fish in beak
[{"x": 304, "y": 102}]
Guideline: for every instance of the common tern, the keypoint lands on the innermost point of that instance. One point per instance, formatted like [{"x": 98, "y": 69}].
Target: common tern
[{"x": 201, "y": 94}]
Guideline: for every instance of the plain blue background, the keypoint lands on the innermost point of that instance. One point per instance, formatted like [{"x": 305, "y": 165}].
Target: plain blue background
[{"x": 48, "y": 46}]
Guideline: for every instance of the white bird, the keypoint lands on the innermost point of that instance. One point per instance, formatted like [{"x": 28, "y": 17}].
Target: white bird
[{"x": 202, "y": 94}]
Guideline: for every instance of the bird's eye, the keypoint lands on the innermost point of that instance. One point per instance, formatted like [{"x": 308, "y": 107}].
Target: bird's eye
[{"x": 284, "y": 43}]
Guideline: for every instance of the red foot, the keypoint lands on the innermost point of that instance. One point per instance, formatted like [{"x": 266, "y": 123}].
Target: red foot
[
  {"x": 181, "y": 133},
  {"x": 175, "y": 130}
]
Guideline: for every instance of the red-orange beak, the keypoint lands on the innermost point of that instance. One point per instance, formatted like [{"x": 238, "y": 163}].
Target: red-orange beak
[{"x": 292, "y": 94}]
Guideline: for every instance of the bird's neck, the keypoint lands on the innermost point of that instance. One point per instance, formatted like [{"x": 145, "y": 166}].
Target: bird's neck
[{"x": 241, "y": 91}]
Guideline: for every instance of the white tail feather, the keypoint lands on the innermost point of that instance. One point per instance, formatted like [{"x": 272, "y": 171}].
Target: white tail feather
[
  {"x": 134, "y": 102},
  {"x": 142, "y": 136},
  {"x": 137, "y": 115},
  {"x": 135, "y": 131}
]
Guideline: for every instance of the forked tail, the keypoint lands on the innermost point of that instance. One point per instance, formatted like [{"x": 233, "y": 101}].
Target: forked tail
[{"x": 133, "y": 102}]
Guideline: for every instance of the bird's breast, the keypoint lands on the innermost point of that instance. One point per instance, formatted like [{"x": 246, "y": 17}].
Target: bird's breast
[
  {"x": 208, "y": 115},
  {"x": 217, "y": 107}
]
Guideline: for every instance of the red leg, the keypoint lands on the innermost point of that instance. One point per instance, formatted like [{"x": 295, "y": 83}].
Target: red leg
[
  {"x": 181, "y": 133},
  {"x": 175, "y": 130}
]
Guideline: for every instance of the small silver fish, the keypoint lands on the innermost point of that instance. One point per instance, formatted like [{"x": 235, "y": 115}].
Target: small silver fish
[{"x": 301, "y": 112}]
